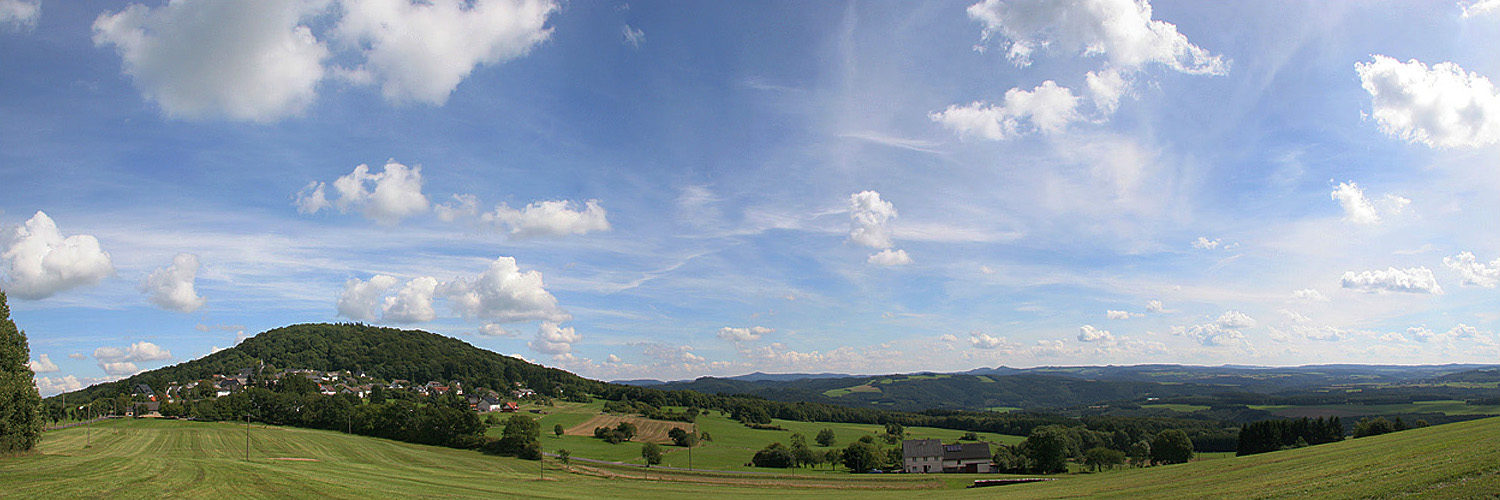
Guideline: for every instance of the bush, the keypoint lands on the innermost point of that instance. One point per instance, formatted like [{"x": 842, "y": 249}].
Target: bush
[{"x": 1171, "y": 446}]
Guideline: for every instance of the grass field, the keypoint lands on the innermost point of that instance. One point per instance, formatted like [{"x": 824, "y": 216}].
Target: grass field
[
  {"x": 1177, "y": 407},
  {"x": 169, "y": 459},
  {"x": 732, "y": 446}
]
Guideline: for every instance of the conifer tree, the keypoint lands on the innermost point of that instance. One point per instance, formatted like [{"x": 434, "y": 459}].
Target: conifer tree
[{"x": 20, "y": 420}]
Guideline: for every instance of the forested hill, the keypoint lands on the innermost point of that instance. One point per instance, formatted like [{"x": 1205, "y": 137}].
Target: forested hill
[{"x": 386, "y": 353}]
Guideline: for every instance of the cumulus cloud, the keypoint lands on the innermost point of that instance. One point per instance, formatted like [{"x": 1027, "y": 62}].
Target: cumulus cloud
[
  {"x": 1155, "y": 306},
  {"x": 1235, "y": 319},
  {"x": 662, "y": 353},
  {"x": 1223, "y": 331},
  {"x": 421, "y": 51},
  {"x": 1203, "y": 243},
  {"x": 1295, "y": 316},
  {"x": 1478, "y": 8},
  {"x": 78, "y": 355},
  {"x": 1411, "y": 280},
  {"x": 1357, "y": 208},
  {"x": 753, "y": 333},
  {"x": 1309, "y": 295},
  {"x": 43, "y": 364},
  {"x": 1122, "y": 31},
  {"x": 43, "y": 262},
  {"x": 250, "y": 60},
  {"x": 49, "y": 386},
  {"x": 172, "y": 287},
  {"x": 360, "y": 297},
  {"x": 948, "y": 337},
  {"x": 385, "y": 197},
  {"x": 550, "y": 218},
  {"x": 1047, "y": 108},
  {"x": 413, "y": 303},
  {"x": 986, "y": 341},
  {"x": 1113, "y": 314},
  {"x": 890, "y": 257},
  {"x": 122, "y": 360},
  {"x": 1474, "y": 272},
  {"x": 495, "y": 330},
  {"x": 553, "y": 339},
  {"x": 1441, "y": 107},
  {"x": 1087, "y": 333},
  {"x": 869, "y": 218},
  {"x": 633, "y": 37},
  {"x": 613, "y": 359},
  {"x": 20, "y": 13},
  {"x": 463, "y": 205},
  {"x": 504, "y": 294},
  {"x": 1311, "y": 332}
]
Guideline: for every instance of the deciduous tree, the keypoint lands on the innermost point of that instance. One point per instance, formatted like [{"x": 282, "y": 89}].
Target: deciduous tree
[{"x": 20, "y": 417}]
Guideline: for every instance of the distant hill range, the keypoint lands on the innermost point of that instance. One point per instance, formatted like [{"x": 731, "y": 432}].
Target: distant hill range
[{"x": 419, "y": 356}]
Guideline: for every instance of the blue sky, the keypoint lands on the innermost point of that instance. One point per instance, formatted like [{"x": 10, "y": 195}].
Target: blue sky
[{"x": 678, "y": 189}]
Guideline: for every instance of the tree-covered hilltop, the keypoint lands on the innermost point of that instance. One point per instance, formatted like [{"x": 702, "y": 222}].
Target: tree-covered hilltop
[{"x": 380, "y": 352}]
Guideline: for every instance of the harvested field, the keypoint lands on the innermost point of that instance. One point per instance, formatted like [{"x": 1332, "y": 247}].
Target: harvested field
[{"x": 647, "y": 430}]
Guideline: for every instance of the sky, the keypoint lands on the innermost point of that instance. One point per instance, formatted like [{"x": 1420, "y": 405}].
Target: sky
[{"x": 678, "y": 189}]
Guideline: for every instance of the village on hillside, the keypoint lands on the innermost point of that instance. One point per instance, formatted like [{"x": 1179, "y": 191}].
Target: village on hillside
[{"x": 145, "y": 401}]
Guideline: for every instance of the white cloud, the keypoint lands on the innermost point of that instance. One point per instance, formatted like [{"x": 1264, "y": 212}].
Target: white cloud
[
  {"x": 43, "y": 364},
  {"x": 241, "y": 59},
  {"x": 504, "y": 294},
  {"x": 550, "y": 218},
  {"x": 78, "y": 355},
  {"x": 413, "y": 303},
  {"x": 1113, "y": 314},
  {"x": 1357, "y": 208},
  {"x": 633, "y": 37},
  {"x": 43, "y": 262},
  {"x": 463, "y": 205},
  {"x": 1478, "y": 8},
  {"x": 1235, "y": 319},
  {"x": 495, "y": 330},
  {"x": 869, "y": 217},
  {"x": 986, "y": 341},
  {"x": 121, "y": 361},
  {"x": 1309, "y": 295},
  {"x": 1295, "y": 316},
  {"x": 1120, "y": 30},
  {"x": 396, "y": 193},
  {"x": 1203, "y": 243},
  {"x": 1155, "y": 306},
  {"x": 662, "y": 353},
  {"x": 1047, "y": 108},
  {"x": 1411, "y": 280},
  {"x": 171, "y": 287},
  {"x": 1087, "y": 333},
  {"x": 20, "y": 13},
  {"x": 948, "y": 337},
  {"x": 49, "y": 386},
  {"x": 360, "y": 297},
  {"x": 744, "y": 334},
  {"x": 1441, "y": 107},
  {"x": 421, "y": 51},
  {"x": 555, "y": 340},
  {"x": 613, "y": 359},
  {"x": 1474, "y": 273},
  {"x": 890, "y": 257},
  {"x": 1223, "y": 331},
  {"x": 1395, "y": 204}
]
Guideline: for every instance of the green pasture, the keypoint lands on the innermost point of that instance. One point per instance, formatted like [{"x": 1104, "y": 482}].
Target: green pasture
[
  {"x": 170, "y": 459},
  {"x": 732, "y": 446}
]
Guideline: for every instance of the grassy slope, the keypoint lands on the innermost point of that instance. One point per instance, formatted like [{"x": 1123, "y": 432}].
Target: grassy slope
[{"x": 150, "y": 459}]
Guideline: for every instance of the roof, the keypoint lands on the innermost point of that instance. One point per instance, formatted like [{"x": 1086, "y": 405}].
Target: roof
[
  {"x": 966, "y": 451},
  {"x": 922, "y": 448}
]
